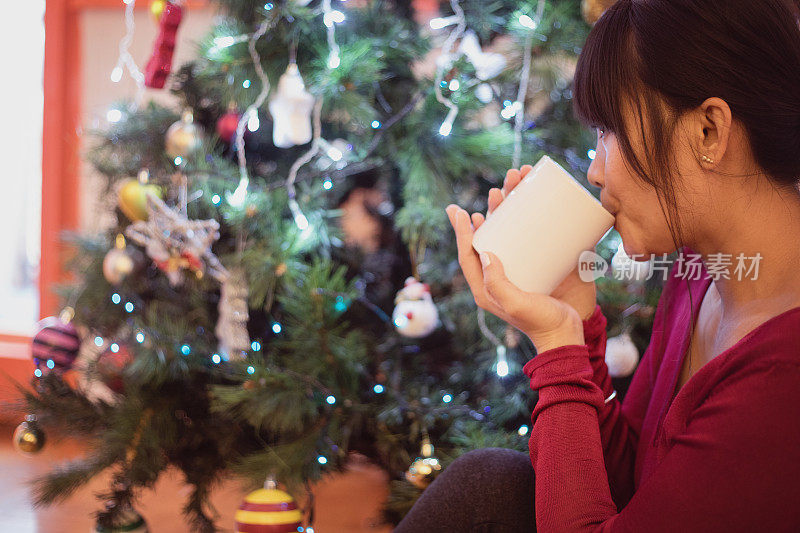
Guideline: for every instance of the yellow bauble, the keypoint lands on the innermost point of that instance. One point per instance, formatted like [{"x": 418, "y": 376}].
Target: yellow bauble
[
  {"x": 156, "y": 8},
  {"x": 133, "y": 199},
  {"x": 268, "y": 510}
]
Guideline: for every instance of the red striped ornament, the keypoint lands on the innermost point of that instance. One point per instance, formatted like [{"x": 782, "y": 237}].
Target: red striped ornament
[
  {"x": 55, "y": 341},
  {"x": 268, "y": 511}
]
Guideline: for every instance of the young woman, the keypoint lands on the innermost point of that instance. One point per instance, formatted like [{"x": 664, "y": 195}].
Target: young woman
[{"x": 696, "y": 104}]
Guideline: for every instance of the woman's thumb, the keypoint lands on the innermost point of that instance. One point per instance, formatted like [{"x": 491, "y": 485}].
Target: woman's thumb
[{"x": 497, "y": 284}]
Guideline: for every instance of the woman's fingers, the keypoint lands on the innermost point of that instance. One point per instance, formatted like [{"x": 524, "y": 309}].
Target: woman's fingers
[
  {"x": 496, "y": 197},
  {"x": 467, "y": 257},
  {"x": 513, "y": 177},
  {"x": 477, "y": 220}
]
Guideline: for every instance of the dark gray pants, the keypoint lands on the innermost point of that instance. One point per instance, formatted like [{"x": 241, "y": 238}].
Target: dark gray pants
[{"x": 484, "y": 491}]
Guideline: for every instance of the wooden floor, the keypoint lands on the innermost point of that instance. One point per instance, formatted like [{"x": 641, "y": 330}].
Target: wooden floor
[{"x": 346, "y": 503}]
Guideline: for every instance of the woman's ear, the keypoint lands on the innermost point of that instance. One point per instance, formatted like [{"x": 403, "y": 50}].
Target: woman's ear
[{"x": 713, "y": 130}]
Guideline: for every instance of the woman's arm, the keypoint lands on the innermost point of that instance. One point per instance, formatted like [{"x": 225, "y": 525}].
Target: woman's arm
[{"x": 733, "y": 468}]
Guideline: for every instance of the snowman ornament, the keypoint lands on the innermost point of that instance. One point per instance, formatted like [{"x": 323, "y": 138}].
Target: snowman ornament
[{"x": 415, "y": 314}]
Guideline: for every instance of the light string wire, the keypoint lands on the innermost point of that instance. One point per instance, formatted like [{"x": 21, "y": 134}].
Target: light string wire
[
  {"x": 237, "y": 198},
  {"x": 125, "y": 59},
  {"x": 458, "y": 31}
]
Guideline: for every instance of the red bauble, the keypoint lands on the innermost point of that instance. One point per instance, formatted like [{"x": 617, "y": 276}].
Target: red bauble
[{"x": 226, "y": 126}]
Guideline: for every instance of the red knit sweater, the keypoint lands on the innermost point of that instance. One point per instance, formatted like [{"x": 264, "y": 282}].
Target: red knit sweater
[{"x": 721, "y": 455}]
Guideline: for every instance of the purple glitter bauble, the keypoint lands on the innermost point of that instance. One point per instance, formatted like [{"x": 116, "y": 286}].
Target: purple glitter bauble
[{"x": 55, "y": 345}]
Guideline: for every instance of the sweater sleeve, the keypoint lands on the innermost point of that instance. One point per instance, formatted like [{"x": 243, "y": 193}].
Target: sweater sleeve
[
  {"x": 620, "y": 423},
  {"x": 732, "y": 468}
]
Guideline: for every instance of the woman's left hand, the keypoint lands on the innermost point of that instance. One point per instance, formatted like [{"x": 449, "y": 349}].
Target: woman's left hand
[{"x": 547, "y": 321}]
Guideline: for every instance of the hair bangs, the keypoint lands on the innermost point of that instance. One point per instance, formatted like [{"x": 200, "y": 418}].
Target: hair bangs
[{"x": 606, "y": 71}]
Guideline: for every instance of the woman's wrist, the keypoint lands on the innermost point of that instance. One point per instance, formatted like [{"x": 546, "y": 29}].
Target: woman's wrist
[{"x": 569, "y": 334}]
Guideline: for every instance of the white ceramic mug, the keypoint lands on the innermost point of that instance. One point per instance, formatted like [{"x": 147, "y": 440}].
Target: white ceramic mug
[{"x": 541, "y": 228}]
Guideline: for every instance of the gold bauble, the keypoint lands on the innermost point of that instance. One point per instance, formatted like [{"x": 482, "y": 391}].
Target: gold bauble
[
  {"x": 184, "y": 137},
  {"x": 423, "y": 470},
  {"x": 593, "y": 9},
  {"x": 133, "y": 198},
  {"x": 156, "y": 9},
  {"x": 117, "y": 265},
  {"x": 28, "y": 437}
]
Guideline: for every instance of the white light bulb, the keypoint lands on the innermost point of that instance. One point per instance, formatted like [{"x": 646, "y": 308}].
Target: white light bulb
[
  {"x": 333, "y": 60},
  {"x": 237, "y": 198},
  {"x": 454, "y": 85},
  {"x": 114, "y": 115},
  {"x": 333, "y": 17},
  {"x": 591, "y": 154},
  {"x": 502, "y": 362},
  {"x": 445, "y": 128},
  {"x": 224, "y": 42},
  {"x": 253, "y": 122},
  {"x": 116, "y": 74},
  {"x": 528, "y": 22},
  {"x": 335, "y": 154}
]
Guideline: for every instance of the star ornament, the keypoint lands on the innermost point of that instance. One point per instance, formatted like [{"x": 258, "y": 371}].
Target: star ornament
[{"x": 175, "y": 243}]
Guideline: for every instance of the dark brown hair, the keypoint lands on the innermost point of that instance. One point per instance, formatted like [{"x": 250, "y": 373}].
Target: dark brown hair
[{"x": 662, "y": 58}]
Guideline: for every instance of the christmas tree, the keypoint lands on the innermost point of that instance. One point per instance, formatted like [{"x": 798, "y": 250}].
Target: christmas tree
[{"x": 281, "y": 287}]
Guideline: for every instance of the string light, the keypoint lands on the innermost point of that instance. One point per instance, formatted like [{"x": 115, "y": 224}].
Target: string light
[
  {"x": 251, "y": 370},
  {"x": 50, "y": 364},
  {"x": 125, "y": 59},
  {"x": 129, "y": 307},
  {"x": 378, "y": 388},
  {"x": 216, "y": 199},
  {"x": 186, "y": 349},
  {"x": 327, "y": 184},
  {"x": 461, "y": 25},
  {"x": 240, "y": 193},
  {"x": 114, "y": 115},
  {"x": 322, "y": 459},
  {"x": 276, "y": 328},
  {"x": 140, "y": 337},
  {"x": 253, "y": 123},
  {"x": 502, "y": 362},
  {"x": 591, "y": 154},
  {"x": 255, "y": 346},
  {"x": 116, "y": 298},
  {"x": 375, "y": 124},
  {"x": 447, "y": 398},
  {"x": 215, "y": 358},
  {"x": 523, "y": 430},
  {"x": 438, "y": 23},
  {"x": 331, "y": 400},
  {"x": 330, "y": 18},
  {"x": 98, "y": 341},
  {"x": 37, "y": 373}
]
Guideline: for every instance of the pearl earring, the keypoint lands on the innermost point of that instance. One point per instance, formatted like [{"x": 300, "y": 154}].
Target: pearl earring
[{"x": 706, "y": 159}]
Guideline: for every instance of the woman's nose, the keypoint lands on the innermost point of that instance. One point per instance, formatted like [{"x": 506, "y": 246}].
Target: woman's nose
[{"x": 595, "y": 174}]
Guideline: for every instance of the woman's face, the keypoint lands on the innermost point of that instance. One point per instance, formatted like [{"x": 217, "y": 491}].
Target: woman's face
[{"x": 639, "y": 217}]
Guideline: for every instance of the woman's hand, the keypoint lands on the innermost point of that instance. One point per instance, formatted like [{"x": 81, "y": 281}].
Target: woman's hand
[{"x": 549, "y": 321}]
